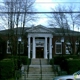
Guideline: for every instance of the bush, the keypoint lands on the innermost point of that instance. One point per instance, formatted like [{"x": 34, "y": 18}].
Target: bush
[
  {"x": 25, "y": 60},
  {"x": 70, "y": 64},
  {"x": 6, "y": 69},
  {"x": 74, "y": 65},
  {"x": 8, "y": 66},
  {"x": 62, "y": 62}
]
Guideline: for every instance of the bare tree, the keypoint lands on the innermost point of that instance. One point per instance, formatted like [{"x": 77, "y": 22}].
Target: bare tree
[
  {"x": 15, "y": 16},
  {"x": 65, "y": 19}
]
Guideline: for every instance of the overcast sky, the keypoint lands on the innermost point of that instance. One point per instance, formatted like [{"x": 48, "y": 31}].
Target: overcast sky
[{"x": 46, "y": 5}]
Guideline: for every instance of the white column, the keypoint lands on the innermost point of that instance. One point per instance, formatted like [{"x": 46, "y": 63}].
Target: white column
[
  {"x": 33, "y": 54},
  {"x": 28, "y": 47},
  {"x": 50, "y": 48},
  {"x": 45, "y": 48}
]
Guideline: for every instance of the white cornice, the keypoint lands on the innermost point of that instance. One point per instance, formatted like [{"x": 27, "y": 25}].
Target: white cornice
[{"x": 39, "y": 29}]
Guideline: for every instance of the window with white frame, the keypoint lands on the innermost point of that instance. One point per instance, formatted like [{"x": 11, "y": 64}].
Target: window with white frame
[
  {"x": 68, "y": 48},
  {"x": 76, "y": 46},
  {"x": 21, "y": 47},
  {"x": 58, "y": 48},
  {"x": 8, "y": 47}
]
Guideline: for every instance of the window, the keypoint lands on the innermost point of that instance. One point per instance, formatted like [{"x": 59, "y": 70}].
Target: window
[
  {"x": 76, "y": 46},
  {"x": 58, "y": 48},
  {"x": 1, "y": 49},
  {"x": 21, "y": 47},
  {"x": 8, "y": 47},
  {"x": 68, "y": 48}
]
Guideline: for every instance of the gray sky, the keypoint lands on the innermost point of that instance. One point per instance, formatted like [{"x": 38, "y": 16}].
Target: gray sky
[{"x": 46, "y": 5}]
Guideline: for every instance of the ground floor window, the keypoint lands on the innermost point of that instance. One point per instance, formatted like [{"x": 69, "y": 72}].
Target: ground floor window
[
  {"x": 21, "y": 47},
  {"x": 77, "y": 46},
  {"x": 8, "y": 47},
  {"x": 68, "y": 48},
  {"x": 58, "y": 48}
]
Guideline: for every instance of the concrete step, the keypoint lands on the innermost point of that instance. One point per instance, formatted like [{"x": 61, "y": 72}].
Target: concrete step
[
  {"x": 36, "y": 79},
  {"x": 35, "y": 70},
  {"x": 30, "y": 74},
  {"x": 44, "y": 62},
  {"x": 47, "y": 68},
  {"x": 38, "y": 76},
  {"x": 35, "y": 61}
]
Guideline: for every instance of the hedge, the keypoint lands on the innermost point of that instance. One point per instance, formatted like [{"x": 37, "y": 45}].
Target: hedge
[
  {"x": 7, "y": 67},
  {"x": 70, "y": 64},
  {"x": 25, "y": 60},
  {"x": 74, "y": 65}
]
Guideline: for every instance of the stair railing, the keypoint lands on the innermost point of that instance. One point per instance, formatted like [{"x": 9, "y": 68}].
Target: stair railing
[
  {"x": 48, "y": 58},
  {"x": 40, "y": 70},
  {"x": 27, "y": 70},
  {"x": 28, "y": 63},
  {"x": 56, "y": 68}
]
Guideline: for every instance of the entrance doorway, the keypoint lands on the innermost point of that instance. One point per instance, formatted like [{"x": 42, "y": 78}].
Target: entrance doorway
[{"x": 39, "y": 52}]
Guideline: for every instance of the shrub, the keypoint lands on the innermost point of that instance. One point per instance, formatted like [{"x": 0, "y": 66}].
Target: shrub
[
  {"x": 62, "y": 62},
  {"x": 24, "y": 60},
  {"x": 8, "y": 66},
  {"x": 74, "y": 65},
  {"x": 69, "y": 63},
  {"x": 6, "y": 69}
]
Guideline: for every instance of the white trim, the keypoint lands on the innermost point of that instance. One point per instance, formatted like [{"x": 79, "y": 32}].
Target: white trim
[
  {"x": 21, "y": 47},
  {"x": 40, "y": 35},
  {"x": 29, "y": 47},
  {"x": 58, "y": 43},
  {"x": 50, "y": 48},
  {"x": 76, "y": 46},
  {"x": 45, "y": 48},
  {"x": 8, "y": 47},
  {"x": 66, "y": 48},
  {"x": 33, "y": 54}
]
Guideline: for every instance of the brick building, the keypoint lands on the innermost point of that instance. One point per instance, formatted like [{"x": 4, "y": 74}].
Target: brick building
[{"x": 42, "y": 42}]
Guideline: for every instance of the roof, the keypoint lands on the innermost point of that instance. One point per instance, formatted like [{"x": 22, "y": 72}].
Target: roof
[{"x": 40, "y": 29}]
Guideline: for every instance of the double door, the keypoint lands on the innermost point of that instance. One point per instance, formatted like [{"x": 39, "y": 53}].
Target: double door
[{"x": 39, "y": 52}]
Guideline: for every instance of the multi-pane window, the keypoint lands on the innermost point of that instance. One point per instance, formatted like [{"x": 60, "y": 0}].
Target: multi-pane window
[
  {"x": 76, "y": 46},
  {"x": 0, "y": 50},
  {"x": 68, "y": 48},
  {"x": 58, "y": 48},
  {"x": 20, "y": 47},
  {"x": 8, "y": 47}
]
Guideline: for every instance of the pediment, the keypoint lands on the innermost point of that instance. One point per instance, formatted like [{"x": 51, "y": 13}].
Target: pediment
[{"x": 39, "y": 29}]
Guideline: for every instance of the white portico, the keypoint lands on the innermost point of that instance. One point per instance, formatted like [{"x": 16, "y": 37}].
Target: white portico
[{"x": 39, "y": 42}]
